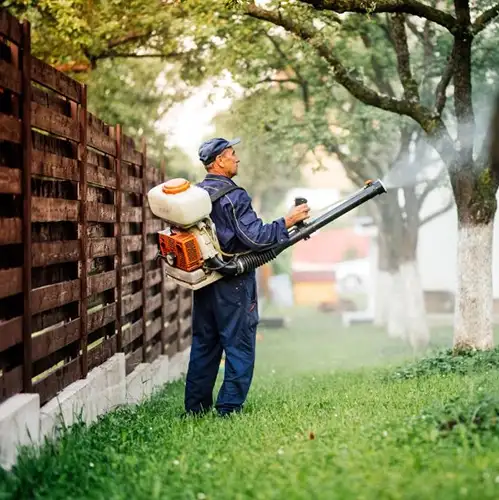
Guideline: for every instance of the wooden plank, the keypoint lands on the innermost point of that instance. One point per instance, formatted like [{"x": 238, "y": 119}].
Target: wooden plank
[
  {"x": 50, "y": 341},
  {"x": 51, "y": 165},
  {"x": 10, "y": 128},
  {"x": 170, "y": 285},
  {"x": 185, "y": 306},
  {"x": 117, "y": 233},
  {"x": 185, "y": 326},
  {"x": 171, "y": 308},
  {"x": 146, "y": 303},
  {"x": 101, "y": 282},
  {"x": 101, "y": 212},
  {"x": 10, "y": 77},
  {"x": 54, "y": 209},
  {"x": 49, "y": 386},
  {"x": 10, "y": 231},
  {"x": 100, "y": 141},
  {"x": 11, "y": 383},
  {"x": 153, "y": 277},
  {"x": 101, "y": 247},
  {"x": 131, "y": 184},
  {"x": 153, "y": 303},
  {"x": 133, "y": 359},
  {"x": 50, "y": 296},
  {"x": 84, "y": 284},
  {"x": 11, "y": 332},
  {"x": 10, "y": 26},
  {"x": 101, "y": 352},
  {"x": 162, "y": 277},
  {"x": 153, "y": 352},
  {"x": 101, "y": 176},
  {"x": 131, "y": 302},
  {"x": 133, "y": 332},
  {"x": 131, "y": 156},
  {"x": 11, "y": 281},
  {"x": 132, "y": 243},
  {"x": 10, "y": 180},
  {"x": 101, "y": 318},
  {"x": 154, "y": 225},
  {"x": 49, "y": 77},
  {"x": 55, "y": 252},
  {"x": 132, "y": 273},
  {"x": 27, "y": 147},
  {"x": 171, "y": 331},
  {"x": 49, "y": 120},
  {"x": 184, "y": 343},
  {"x": 152, "y": 329},
  {"x": 131, "y": 214},
  {"x": 51, "y": 101},
  {"x": 151, "y": 252}
]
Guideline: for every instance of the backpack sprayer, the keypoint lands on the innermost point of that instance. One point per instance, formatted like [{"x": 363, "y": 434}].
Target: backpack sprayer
[{"x": 189, "y": 244}]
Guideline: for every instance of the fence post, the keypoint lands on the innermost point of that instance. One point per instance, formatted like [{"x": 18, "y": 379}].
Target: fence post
[
  {"x": 26, "y": 155},
  {"x": 163, "y": 280},
  {"x": 144, "y": 246},
  {"x": 119, "y": 251},
  {"x": 82, "y": 165}
]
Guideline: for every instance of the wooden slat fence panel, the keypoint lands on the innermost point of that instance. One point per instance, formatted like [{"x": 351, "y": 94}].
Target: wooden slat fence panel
[
  {"x": 12, "y": 279},
  {"x": 79, "y": 278}
]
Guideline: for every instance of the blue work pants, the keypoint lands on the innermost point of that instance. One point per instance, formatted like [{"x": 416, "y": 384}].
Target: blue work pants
[{"x": 224, "y": 319}]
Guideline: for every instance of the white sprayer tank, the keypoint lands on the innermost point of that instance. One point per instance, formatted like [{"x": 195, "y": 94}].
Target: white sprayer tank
[{"x": 178, "y": 202}]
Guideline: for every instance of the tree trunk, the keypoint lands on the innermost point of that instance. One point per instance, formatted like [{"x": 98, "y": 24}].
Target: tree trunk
[
  {"x": 401, "y": 308},
  {"x": 476, "y": 207}
]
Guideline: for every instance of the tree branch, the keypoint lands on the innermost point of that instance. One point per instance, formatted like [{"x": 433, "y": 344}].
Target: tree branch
[
  {"x": 309, "y": 34},
  {"x": 301, "y": 81},
  {"x": 403, "y": 59},
  {"x": 393, "y": 6},
  {"x": 438, "y": 213},
  {"x": 440, "y": 93},
  {"x": 430, "y": 122},
  {"x": 129, "y": 37},
  {"x": 484, "y": 19}
]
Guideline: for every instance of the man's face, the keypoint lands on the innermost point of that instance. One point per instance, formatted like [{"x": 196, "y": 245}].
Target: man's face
[{"x": 229, "y": 162}]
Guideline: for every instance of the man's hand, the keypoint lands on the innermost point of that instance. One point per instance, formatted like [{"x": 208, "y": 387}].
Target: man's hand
[{"x": 297, "y": 214}]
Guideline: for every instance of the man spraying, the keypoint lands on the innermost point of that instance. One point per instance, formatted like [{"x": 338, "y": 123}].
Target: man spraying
[{"x": 225, "y": 313}]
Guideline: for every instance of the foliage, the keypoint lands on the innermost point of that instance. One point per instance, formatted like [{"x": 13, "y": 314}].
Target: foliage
[
  {"x": 449, "y": 362},
  {"x": 311, "y": 427},
  {"x": 269, "y": 165},
  {"x": 136, "y": 94}
]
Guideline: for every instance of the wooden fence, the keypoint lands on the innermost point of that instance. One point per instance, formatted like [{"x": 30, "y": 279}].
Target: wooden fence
[{"x": 79, "y": 278}]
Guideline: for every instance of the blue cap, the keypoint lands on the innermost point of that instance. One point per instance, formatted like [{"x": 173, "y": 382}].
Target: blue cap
[{"x": 209, "y": 150}]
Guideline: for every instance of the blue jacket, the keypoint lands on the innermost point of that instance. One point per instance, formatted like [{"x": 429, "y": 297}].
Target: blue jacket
[{"x": 238, "y": 226}]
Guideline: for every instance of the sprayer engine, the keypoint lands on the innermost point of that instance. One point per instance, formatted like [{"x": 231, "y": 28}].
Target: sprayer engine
[
  {"x": 189, "y": 245},
  {"x": 189, "y": 239}
]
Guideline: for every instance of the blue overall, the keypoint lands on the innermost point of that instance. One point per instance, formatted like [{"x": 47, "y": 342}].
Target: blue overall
[{"x": 225, "y": 313}]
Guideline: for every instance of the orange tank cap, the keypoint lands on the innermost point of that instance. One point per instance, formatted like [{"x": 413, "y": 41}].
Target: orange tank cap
[{"x": 175, "y": 186}]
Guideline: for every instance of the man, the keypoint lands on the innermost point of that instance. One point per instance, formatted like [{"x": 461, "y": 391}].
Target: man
[{"x": 225, "y": 313}]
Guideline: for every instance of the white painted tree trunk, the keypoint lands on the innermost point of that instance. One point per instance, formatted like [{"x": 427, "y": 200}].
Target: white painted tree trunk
[
  {"x": 382, "y": 298},
  {"x": 397, "y": 306},
  {"x": 416, "y": 324},
  {"x": 474, "y": 296}
]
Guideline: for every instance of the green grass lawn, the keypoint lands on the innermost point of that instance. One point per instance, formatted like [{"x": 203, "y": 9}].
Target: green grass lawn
[{"x": 325, "y": 419}]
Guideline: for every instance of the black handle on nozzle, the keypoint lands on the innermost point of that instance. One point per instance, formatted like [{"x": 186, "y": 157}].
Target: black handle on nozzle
[
  {"x": 300, "y": 201},
  {"x": 301, "y": 224}
]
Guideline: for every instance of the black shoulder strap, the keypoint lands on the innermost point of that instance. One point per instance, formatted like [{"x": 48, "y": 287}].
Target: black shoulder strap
[{"x": 222, "y": 192}]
